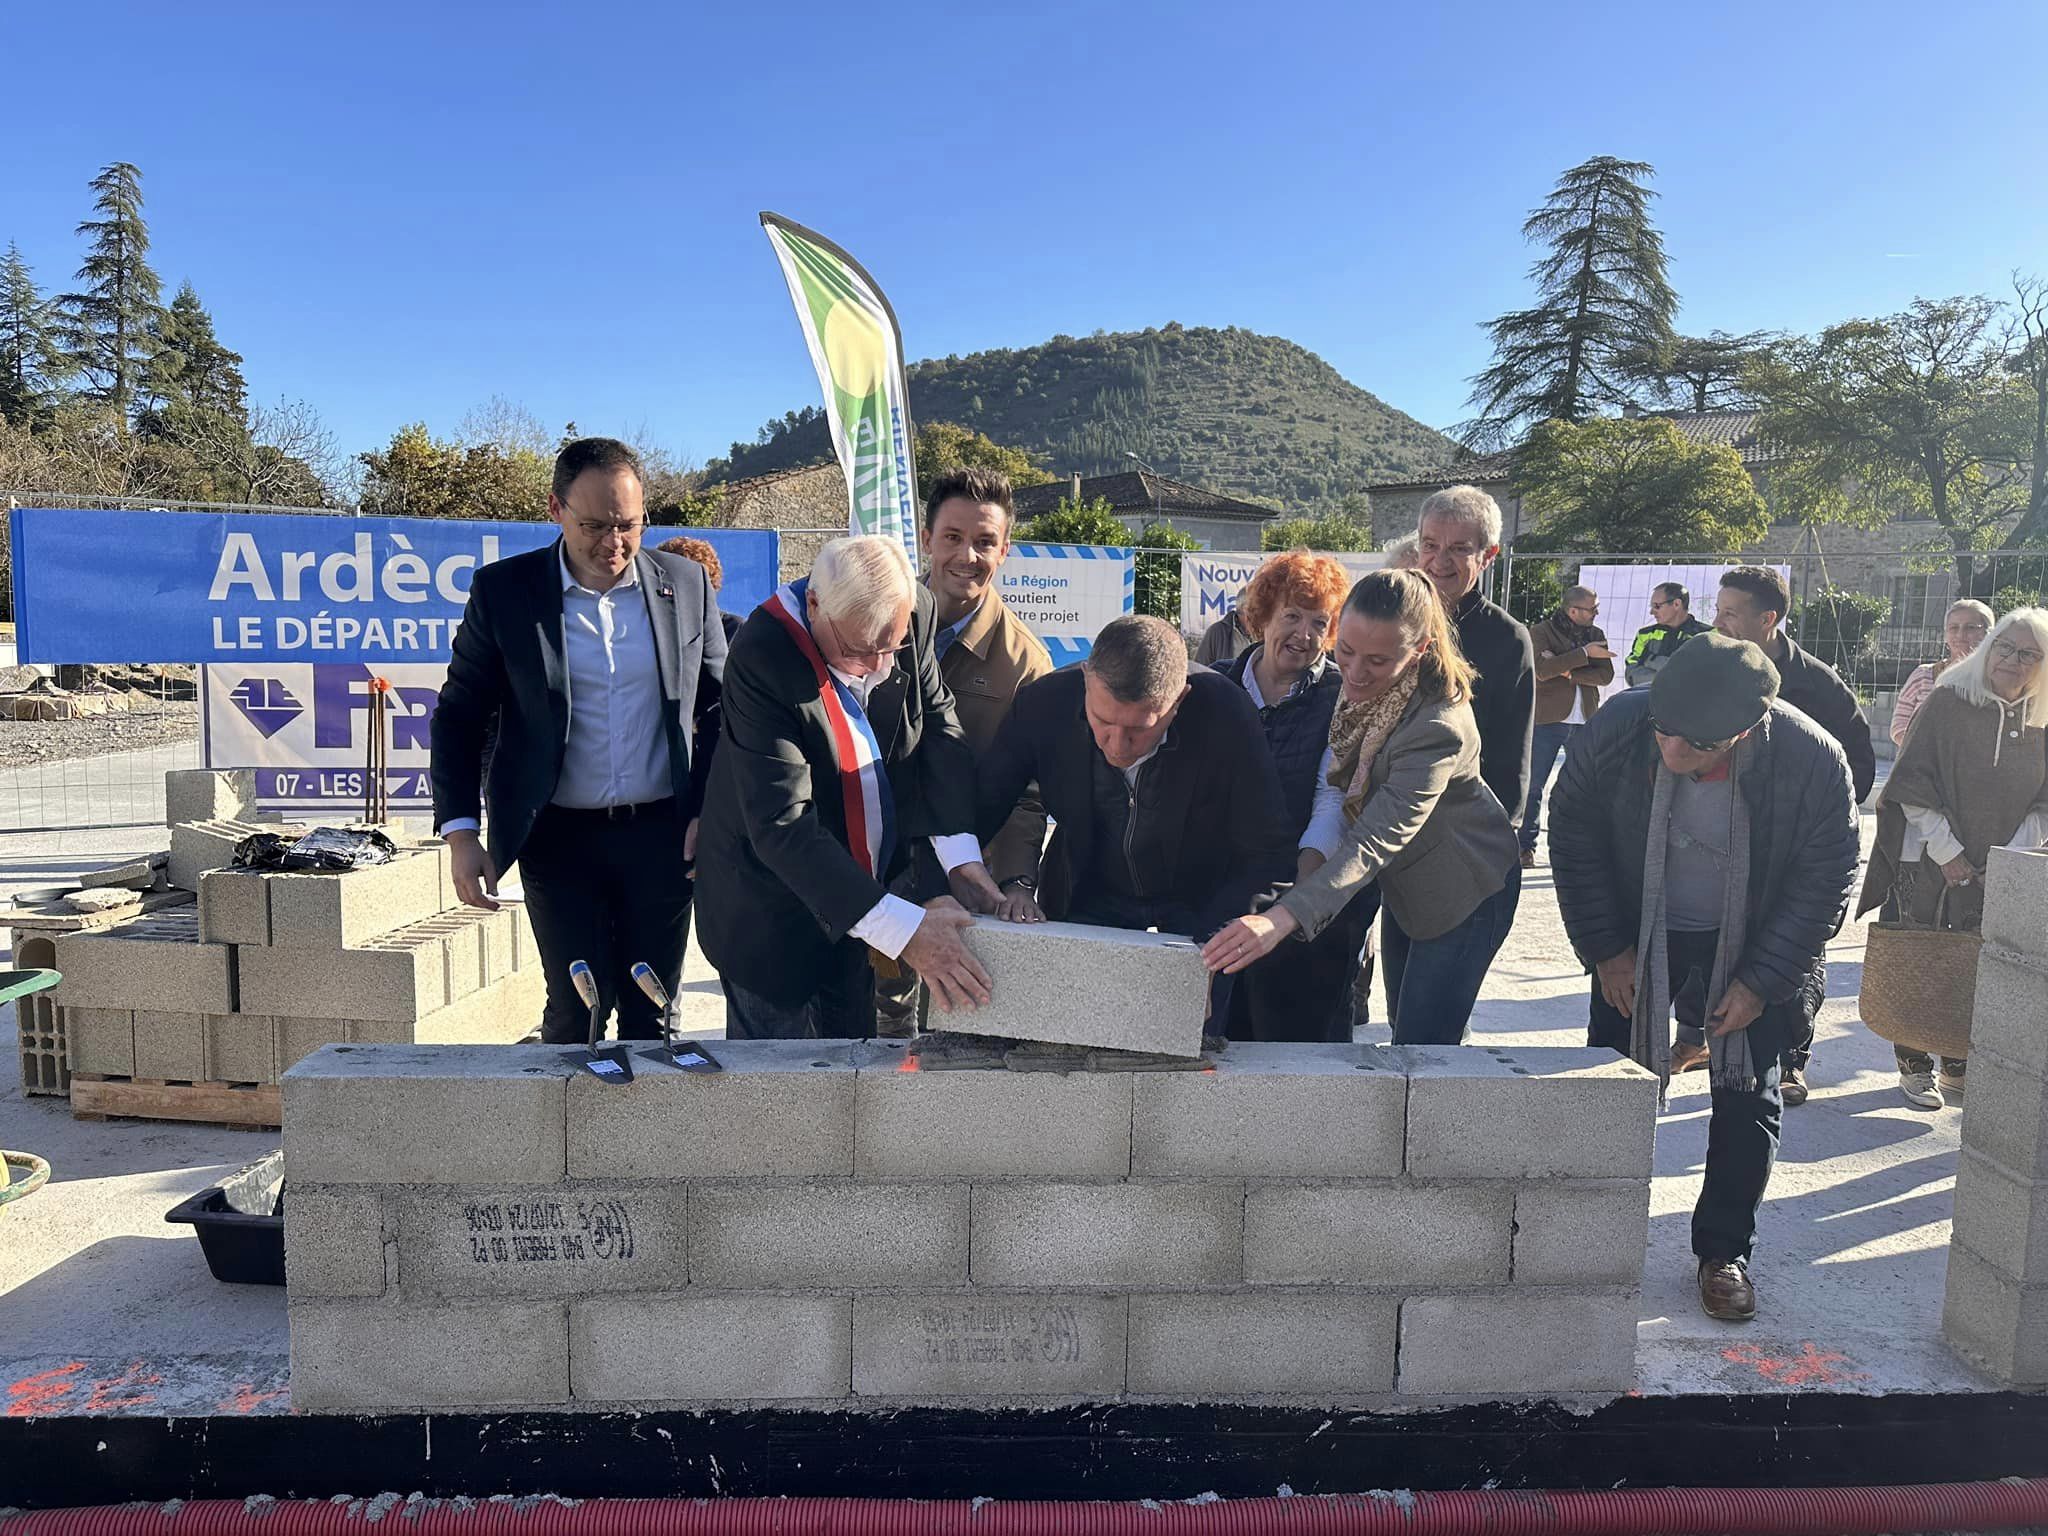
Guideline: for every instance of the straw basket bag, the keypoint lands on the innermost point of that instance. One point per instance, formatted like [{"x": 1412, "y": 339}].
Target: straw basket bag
[{"x": 1920, "y": 984}]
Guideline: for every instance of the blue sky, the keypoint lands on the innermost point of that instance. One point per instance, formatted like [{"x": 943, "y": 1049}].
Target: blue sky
[{"x": 397, "y": 212}]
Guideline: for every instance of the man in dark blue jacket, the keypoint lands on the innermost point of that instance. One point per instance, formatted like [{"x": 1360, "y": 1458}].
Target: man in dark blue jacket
[{"x": 1703, "y": 845}]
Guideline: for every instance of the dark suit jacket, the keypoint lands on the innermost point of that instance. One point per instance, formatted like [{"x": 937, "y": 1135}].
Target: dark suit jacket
[
  {"x": 1217, "y": 834},
  {"x": 777, "y": 888},
  {"x": 508, "y": 673}
]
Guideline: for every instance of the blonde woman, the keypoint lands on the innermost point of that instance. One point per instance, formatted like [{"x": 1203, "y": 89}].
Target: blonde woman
[
  {"x": 1400, "y": 804},
  {"x": 1972, "y": 776},
  {"x": 1962, "y": 631}
]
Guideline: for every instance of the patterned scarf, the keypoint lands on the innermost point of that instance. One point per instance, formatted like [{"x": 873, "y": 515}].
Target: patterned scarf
[
  {"x": 1358, "y": 731},
  {"x": 864, "y": 788}
]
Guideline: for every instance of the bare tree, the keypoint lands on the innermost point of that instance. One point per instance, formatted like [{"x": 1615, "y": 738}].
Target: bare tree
[
  {"x": 2029, "y": 360},
  {"x": 507, "y": 426},
  {"x": 285, "y": 456}
]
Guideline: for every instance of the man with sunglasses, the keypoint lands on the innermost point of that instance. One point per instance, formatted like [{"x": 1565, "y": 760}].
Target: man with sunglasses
[
  {"x": 1671, "y": 625},
  {"x": 1703, "y": 846},
  {"x": 591, "y": 664}
]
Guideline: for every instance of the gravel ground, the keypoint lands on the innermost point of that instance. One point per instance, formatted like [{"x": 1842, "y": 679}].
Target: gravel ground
[{"x": 148, "y": 723}]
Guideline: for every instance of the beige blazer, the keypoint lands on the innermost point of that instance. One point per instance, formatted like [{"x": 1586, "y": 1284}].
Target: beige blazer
[{"x": 1430, "y": 832}]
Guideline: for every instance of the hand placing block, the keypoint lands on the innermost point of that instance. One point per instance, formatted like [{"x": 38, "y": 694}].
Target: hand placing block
[{"x": 1074, "y": 984}]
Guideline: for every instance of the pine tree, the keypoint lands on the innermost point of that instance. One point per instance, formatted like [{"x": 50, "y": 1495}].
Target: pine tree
[
  {"x": 188, "y": 369},
  {"x": 108, "y": 321},
  {"x": 32, "y": 363},
  {"x": 1602, "y": 298}
]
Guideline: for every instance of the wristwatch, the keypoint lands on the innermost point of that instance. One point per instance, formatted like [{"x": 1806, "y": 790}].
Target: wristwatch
[{"x": 1023, "y": 882}]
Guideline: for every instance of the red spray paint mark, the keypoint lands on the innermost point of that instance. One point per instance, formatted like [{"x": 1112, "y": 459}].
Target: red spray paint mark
[
  {"x": 1809, "y": 1368},
  {"x": 43, "y": 1392},
  {"x": 246, "y": 1399},
  {"x": 103, "y": 1399}
]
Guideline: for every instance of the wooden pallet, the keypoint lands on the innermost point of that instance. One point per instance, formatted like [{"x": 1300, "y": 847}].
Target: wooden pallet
[{"x": 246, "y": 1106}]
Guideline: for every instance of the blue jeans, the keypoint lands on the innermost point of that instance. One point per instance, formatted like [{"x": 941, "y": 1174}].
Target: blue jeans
[
  {"x": 1548, "y": 741},
  {"x": 1432, "y": 984}
]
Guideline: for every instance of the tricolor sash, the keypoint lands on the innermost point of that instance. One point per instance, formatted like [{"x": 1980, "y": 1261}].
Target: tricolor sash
[{"x": 863, "y": 785}]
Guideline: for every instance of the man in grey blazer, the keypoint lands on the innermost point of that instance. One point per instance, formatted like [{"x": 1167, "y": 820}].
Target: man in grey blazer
[{"x": 587, "y": 667}]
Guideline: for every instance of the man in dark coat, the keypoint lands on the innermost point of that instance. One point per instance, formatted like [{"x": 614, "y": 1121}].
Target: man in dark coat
[
  {"x": 841, "y": 750},
  {"x": 1704, "y": 825},
  {"x": 1752, "y": 605}
]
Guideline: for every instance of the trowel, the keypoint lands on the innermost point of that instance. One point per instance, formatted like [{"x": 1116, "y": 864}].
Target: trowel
[
  {"x": 611, "y": 1064},
  {"x": 686, "y": 1054}
]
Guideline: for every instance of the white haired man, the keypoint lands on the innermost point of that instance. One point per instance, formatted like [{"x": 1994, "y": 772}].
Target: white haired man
[{"x": 841, "y": 748}]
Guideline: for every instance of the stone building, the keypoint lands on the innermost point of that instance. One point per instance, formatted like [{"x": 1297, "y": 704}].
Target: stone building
[
  {"x": 1139, "y": 497},
  {"x": 806, "y": 506}
]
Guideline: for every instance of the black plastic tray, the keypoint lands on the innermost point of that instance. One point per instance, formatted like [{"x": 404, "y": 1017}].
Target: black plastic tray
[{"x": 240, "y": 1222}]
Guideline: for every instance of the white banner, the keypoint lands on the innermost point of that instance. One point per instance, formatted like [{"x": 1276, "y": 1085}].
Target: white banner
[
  {"x": 305, "y": 728},
  {"x": 1065, "y": 593},
  {"x": 1211, "y": 583}
]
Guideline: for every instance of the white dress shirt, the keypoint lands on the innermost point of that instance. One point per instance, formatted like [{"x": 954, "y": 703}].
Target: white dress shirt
[
  {"x": 617, "y": 752},
  {"x": 892, "y": 922}
]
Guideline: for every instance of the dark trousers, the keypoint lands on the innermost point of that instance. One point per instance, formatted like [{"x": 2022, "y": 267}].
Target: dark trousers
[
  {"x": 1548, "y": 742},
  {"x": 1302, "y": 991},
  {"x": 610, "y": 890},
  {"x": 1432, "y": 984},
  {"x": 1742, "y": 1135},
  {"x": 843, "y": 1007}
]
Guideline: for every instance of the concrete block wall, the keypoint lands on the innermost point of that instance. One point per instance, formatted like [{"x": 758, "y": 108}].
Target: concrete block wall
[
  {"x": 818, "y": 1223},
  {"x": 1995, "y": 1312},
  {"x": 1076, "y": 984}
]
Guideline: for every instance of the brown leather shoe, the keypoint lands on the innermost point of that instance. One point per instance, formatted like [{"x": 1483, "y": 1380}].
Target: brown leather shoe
[
  {"x": 1689, "y": 1058},
  {"x": 1528, "y": 858},
  {"x": 1726, "y": 1293},
  {"x": 1792, "y": 1087}
]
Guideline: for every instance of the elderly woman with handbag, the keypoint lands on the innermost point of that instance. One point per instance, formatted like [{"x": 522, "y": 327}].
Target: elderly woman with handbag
[
  {"x": 1400, "y": 805},
  {"x": 1973, "y": 776}
]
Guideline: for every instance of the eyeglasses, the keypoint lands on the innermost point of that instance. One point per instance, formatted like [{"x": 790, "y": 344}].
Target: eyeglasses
[
  {"x": 597, "y": 530},
  {"x": 2025, "y": 655},
  {"x": 1698, "y": 746},
  {"x": 853, "y": 653}
]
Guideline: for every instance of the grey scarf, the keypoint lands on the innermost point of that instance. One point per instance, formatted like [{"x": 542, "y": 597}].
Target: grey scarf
[{"x": 1650, "y": 1035}]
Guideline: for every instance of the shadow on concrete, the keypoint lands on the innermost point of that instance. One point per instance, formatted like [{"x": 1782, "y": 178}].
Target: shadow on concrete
[{"x": 151, "y": 1297}]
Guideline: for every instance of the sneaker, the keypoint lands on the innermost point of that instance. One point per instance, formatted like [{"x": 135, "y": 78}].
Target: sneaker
[
  {"x": 1726, "y": 1294},
  {"x": 1919, "y": 1089},
  {"x": 1528, "y": 858},
  {"x": 1792, "y": 1086},
  {"x": 1689, "y": 1058},
  {"x": 1951, "y": 1086}
]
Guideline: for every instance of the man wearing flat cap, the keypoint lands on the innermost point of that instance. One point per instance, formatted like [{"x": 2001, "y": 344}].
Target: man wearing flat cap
[{"x": 1703, "y": 846}]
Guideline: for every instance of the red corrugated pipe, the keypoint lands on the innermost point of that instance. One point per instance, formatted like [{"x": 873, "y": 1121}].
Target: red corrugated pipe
[{"x": 1624, "y": 1512}]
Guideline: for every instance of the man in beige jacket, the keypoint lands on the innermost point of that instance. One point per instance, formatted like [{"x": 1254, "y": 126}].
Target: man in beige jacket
[
  {"x": 1573, "y": 663},
  {"x": 985, "y": 655}
]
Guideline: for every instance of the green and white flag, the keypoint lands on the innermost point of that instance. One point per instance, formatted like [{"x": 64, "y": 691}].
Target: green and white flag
[{"x": 858, "y": 352}]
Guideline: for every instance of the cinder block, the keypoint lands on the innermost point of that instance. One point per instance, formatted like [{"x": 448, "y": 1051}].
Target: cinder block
[
  {"x": 2007, "y": 1119},
  {"x": 371, "y": 1354},
  {"x": 777, "y": 1236},
  {"x": 2002, "y": 1219},
  {"x": 170, "y": 1046},
  {"x": 199, "y": 846},
  {"x": 496, "y": 931},
  {"x": 500, "y": 1241},
  {"x": 1262, "y": 1344},
  {"x": 241, "y": 1048},
  {"x": 234, "y": 907},
  {"x": 1593, "y": 1233},
  {"x": 2016, "y": 901},
  {"x": 334, "y": 1241},
  {"x": 499, "y": 1015},
  {"x": 299, "y": 1038},
  {"x": 1275, "y": 1111},
  {"x": 400, "y": 1114},
  {"x": 780, "y": 1109},
  {"x": 400, "y": 978},
  {"x": 525, "y": 952},
  {"x": 1377, "y": 1234},
  {"x": 100, "y": 1040},
  {"x": 990, "y": 1124},
  {"x": 1536, "y": 1112},
  {"x": 988, "y": 1346},
  {"x": 656, "y": 1349},
  {"x": 208, "y": 794},
  {"x": 1518, "y": 1343},
  {"x": 2011, "y": 1015},
  {"x": 346, "y": 910},
  {"x": 462, "y": 942},
  {"x": 1121, "y": 1235},
  {"x": 152, "y": 962},
  {"x": 1084, "y": 985},
  {"x": 1995, "y": 1322}
]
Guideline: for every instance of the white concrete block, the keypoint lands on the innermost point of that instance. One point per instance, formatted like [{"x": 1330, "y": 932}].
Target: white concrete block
[
  {"x": 170, "y": 1046},
  {"x": 1581, "y": 1233},
  {"x": 1995, "y": 1322},
  {"x": 1530, "y": 1112},
  {"x": 990, "y": 1124},
  {"x": 2007, "y": 1118},
  {"x": 234, "y": 907},
  {"x": 2001, "y": 1218},
  {"x": 1520, "y": 1343},
  {"x": 100, "y": 1040},
  {"x": 1084, "y": 985},
  {"x": 988, "y": 1346},
  {"x": 2016, "y": 901},
  {"x": 2011, "y": 1015},
  {"x": 537, "y": 1241},
  {"x": 1082, "y": 1236},
  {"x": 334, "y": 1240},
  {"x": 400, "y": 977},
  {"x": 801, "y": 1236},
  {"x": 349, "y": 1355},
  {"x": 208, "y": 794},
  {"x": 1262, "y": 1344},
  {"x": 1275, "y": 1111},
  {"x": 320, "y": 910},
  {"x": 1377, "y": 1234},
  {"x": 707, "y": 1348},
  {"x": 153, "y": 962},
  {"x": 241, "y": 1048}
]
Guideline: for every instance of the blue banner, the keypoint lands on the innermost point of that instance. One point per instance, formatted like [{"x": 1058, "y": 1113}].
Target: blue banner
[{"x": 108, "y": 586}]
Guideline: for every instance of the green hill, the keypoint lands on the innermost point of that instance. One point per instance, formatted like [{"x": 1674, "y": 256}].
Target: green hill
[{"x": 1255, "y": 416}]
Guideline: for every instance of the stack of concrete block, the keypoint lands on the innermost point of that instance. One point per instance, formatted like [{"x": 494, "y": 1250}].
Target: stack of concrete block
[
  {"x": 1347, "y": 1225},
  {"x": 270, "y": 967},
  {"x": 1996, "y": 1309},
  {"x": 209, "y": 794},
  {"x": 1075, "y": 984}
]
